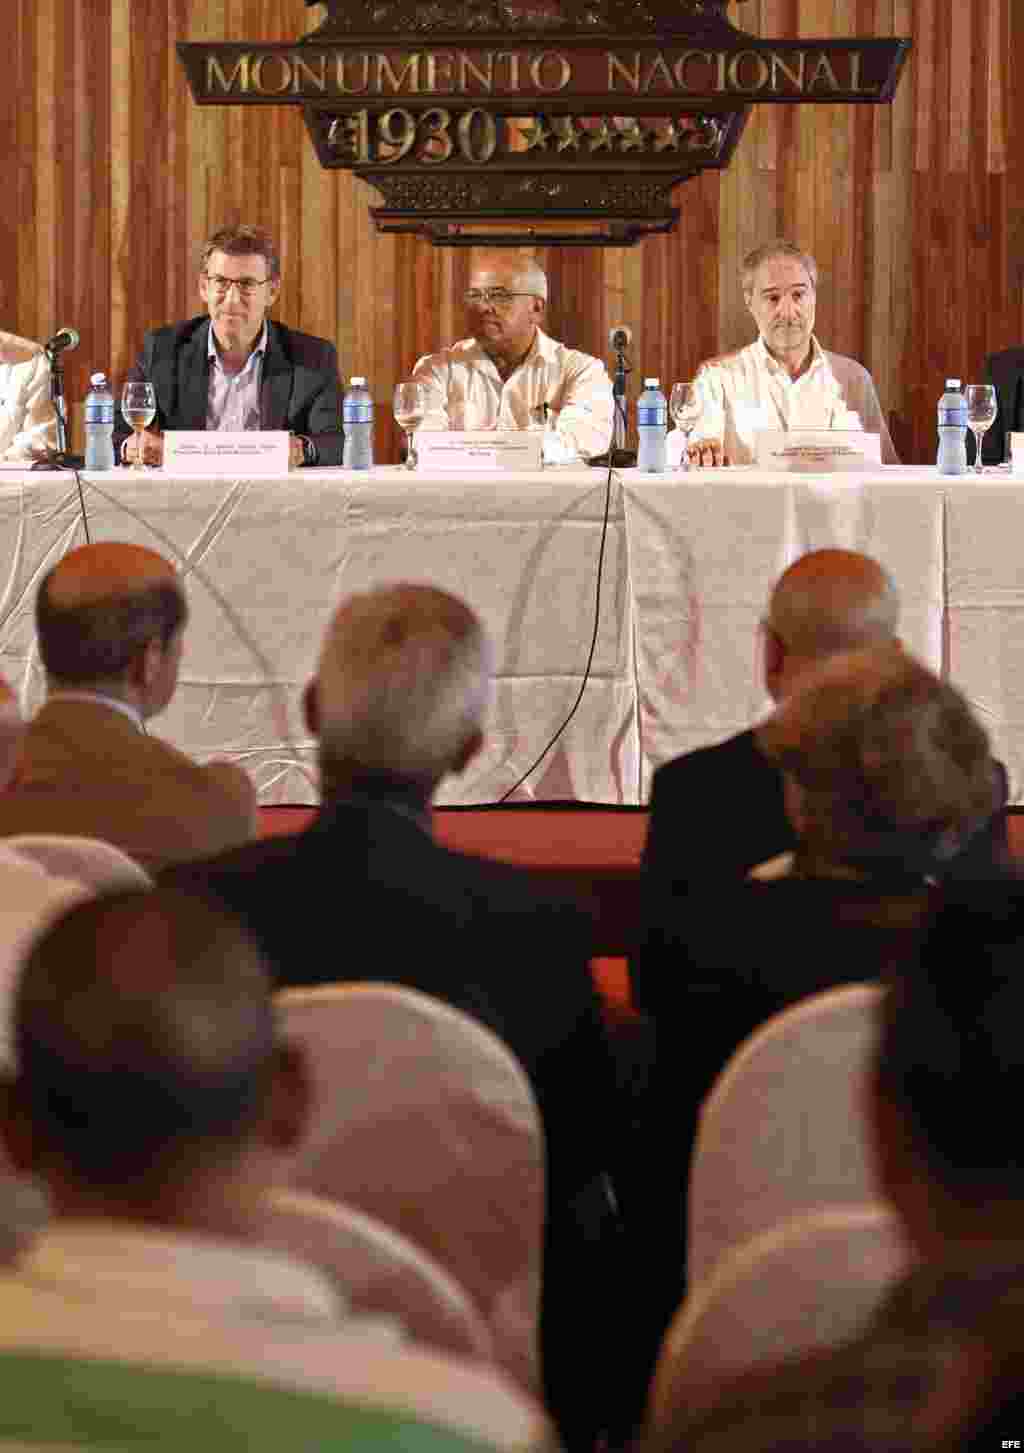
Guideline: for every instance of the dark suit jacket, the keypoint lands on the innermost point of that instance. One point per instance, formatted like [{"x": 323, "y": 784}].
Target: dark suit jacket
[
  {"x": 1006, "y": 371},
  {"x": 365, "y": 893},
  {"x": 299, "y": 389},
  {"x": 87, "y": 770}
]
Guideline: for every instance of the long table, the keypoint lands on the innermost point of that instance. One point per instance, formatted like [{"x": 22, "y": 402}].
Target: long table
[{"x": 688, "y": 564}]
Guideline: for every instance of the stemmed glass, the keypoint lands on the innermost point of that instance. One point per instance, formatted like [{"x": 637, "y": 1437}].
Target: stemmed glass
[
  {"x": 684, "y": 406},
  {"x": 981, "y": 414},
  {"x": 409, "y": 407},
  {"x": 138, "y": 405}
]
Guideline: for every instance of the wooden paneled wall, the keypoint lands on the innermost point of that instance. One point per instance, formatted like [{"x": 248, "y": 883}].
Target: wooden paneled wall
[{"x": 112, "y": 178}]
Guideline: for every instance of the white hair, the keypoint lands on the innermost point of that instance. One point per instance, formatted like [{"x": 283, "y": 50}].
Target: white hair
[{"x": 404, "y": 681}]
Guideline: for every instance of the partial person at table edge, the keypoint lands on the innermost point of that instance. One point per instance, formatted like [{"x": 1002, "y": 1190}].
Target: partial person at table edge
[
  {"x": 508, "y": 374},
  {"x": 1005, "y": 371},
  {"x": 28, "y": 423},
  {"x": 784, "y": 379},
  {"x": 236, "y": 368}
]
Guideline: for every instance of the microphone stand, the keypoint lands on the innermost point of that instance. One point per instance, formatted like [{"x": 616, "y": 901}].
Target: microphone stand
[
  {"x": 62, "y": 459},
  {"x": 618, "y": 456}
]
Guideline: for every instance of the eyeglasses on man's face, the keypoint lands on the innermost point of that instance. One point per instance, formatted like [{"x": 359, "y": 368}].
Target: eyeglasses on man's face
[
  {"x": 493, "y": 297},
  {"x": 246, "y": 285}
]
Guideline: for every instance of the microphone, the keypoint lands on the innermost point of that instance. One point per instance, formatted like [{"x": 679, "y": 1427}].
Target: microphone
[
  {"x": 619, "y": 337},
  {"x": 65, "y": 338}
]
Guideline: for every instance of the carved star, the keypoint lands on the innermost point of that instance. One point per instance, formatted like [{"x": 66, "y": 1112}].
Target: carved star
[
  {"x": 536, "y": 136},
  {"x": 667, "y": 139},
  {"x": 631, "y": 138},
  {"x": 566, "y": 133},
  {"x": 600, "y": 137}
]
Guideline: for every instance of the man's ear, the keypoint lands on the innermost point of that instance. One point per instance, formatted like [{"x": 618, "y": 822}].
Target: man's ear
[
  {"x": 470, "y": 749},
  {"x": 290, "y": 1101},
  {"x": 16, "y": 1130},
  {"x": 145, "y": 666},
  {"x": 773, "y": 652},
  {"x": 311, "y": 707}
]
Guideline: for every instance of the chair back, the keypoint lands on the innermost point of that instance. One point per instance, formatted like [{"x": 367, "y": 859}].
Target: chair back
[
  {"x": 378, "y": 1271},
  {"x": 806, "y": 1285},
  {"x": 99, "y": 865},
  {"x": 428, "y": 1122},
  {"x": 784, "y": 1128}
]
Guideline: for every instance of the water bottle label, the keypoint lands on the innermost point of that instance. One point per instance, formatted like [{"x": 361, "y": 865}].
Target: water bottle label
[
  {"x": 100, "y": 413},
  {"x": 650, "y": 416},
  {"x": 953, "y": 418},
  {"x": 359, "y": 413}
]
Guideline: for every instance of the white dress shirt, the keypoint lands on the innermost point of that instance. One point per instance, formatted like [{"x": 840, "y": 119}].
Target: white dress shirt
[
  {"x": 744, "y": 392},
  {"x": 27, "y": 418},
  {"x": 233, "y": 401},
  {"x": 465, "y": 391}
]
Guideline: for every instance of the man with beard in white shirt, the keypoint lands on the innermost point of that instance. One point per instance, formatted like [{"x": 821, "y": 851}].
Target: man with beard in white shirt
[{"x": 784, "y": 379}]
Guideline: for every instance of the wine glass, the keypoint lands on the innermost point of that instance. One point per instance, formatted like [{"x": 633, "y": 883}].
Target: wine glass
[
  {"x": 409, "y": 407},
  {"x": 684, "y": 406},
  {"x": 138, "y": 405},
  {"x": 981, "y": 413}
]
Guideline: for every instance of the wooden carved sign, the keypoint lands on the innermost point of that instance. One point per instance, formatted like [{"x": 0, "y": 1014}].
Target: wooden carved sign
[{"x": 533, "y": 120}]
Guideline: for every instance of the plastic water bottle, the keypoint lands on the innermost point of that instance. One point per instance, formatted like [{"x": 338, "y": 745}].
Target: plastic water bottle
[
  {"x": 651, "y": 427},
  {"x": 357, "y": 418},
  {"x": 952, "y": 430},
  {"x": 99, "y": 424}
]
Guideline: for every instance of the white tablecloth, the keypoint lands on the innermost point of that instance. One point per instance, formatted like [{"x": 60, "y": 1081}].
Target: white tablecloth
[
  {"x": 689, "y": 563},
  {"x": 523, "y": 551}
]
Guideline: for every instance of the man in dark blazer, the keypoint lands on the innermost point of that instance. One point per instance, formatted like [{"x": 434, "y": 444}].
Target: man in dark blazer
[
  {"x": 397, "y": 705},
  {"x": 1006, "y": 371},
  {"x": 236, "y": 368},
  {"x": 110, "y": 619},
  {"x": 719, "y": 811}
]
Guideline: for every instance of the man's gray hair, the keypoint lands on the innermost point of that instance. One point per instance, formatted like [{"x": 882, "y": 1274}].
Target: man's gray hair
[
  {"x": 767, "y": 252},
  {"x": 404, "y": 682}
]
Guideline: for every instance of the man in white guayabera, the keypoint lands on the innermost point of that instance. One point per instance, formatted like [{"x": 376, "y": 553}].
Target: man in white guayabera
[
  {"x": 509, "y": 374},
  {"x": 784, "y": 379}
]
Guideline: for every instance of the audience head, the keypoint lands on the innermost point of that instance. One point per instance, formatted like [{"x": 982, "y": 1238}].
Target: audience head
[
  {"x": 827, "y": 601},
  {"x": 401, "y": 690},
  {"x": 110, "y": 618},
  {"x": 949, "y": 1065},
  {"x": 149, "y": 1084},
  {"x": 886, "y": 766},
  {"x": 505, "y": 325}
]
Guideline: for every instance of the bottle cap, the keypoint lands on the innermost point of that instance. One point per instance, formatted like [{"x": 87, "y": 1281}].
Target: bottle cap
[
  {"x": 952, "y": 383},
  {"x": 652, "y": 382},
  {"x": 97, "y": 379},
  {"x": 357, "y": 382}
]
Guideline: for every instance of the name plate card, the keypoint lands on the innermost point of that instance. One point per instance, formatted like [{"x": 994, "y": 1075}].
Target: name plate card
[
  {"x": 817, "y": 451},
  {"x": 222, "y": 451},
  {"x": 441, "y": 451}
]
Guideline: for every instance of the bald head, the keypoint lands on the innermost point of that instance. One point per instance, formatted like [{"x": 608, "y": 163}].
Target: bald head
[
  {"x": 403, "y": 684},
  {"x": 100, "y": 606},
  {"x": 144, "y": 1036},
  {"x": 828, "y": 601}
]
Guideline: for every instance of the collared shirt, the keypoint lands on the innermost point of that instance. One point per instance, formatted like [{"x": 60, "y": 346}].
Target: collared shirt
[
  {"x": 124, "y": 707},
  {"x": 27, "y": 418},
  {"x": 466, "y": 391},
  {"x": 233, "y": 401},
  {"x": 746, "y": 391}
]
